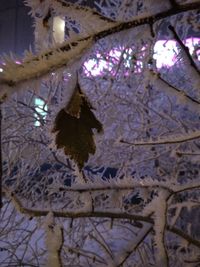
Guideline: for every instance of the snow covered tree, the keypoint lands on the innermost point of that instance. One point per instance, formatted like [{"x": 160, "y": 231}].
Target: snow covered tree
[{"x": 100, "y": 136}]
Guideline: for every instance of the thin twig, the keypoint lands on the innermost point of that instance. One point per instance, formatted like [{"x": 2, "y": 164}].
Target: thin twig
[
  {"x": 122, "y": 215},
  {"x": 194, "y": 101},
  {"x": 184, "y": 48},
  {"x": 142, "y": 234},
  {"x": 66, "y": 47},
  {"x": 166, "y": 141}
]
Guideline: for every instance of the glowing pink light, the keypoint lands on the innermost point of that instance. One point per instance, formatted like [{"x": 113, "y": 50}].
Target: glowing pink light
[
  {"x": 165, "y": 52},
  {"x": 165, "y": 55},
  {"x": 18, "y": 62}
]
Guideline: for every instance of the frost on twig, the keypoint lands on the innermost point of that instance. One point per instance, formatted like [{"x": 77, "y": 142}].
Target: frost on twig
[
  {"x": 131, "y": 202},
  {"x": 54, "y": 241},
  {"x": 168, "y": 140},
  {"x": 35, "y": 67},
  {"x": 195, "y": 73},
  {"x": 160, "y": 218}
]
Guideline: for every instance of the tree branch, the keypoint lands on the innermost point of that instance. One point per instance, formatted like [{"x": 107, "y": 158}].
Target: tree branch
[
  {"x": 124, "y": 255},
  {"x": 167, "y": 140},
  {"x": 184, "y": 49},
  {"x": 179, "y": 93},
  {"x": 148, "y": 19},
  {"x": 184, "y": 235},
  {"x": 6, "y": 78},
  {"x": 87, "y": 254},
  {"x": 85, "y": 9},
  {"x": 91, "y": 214},
  {"x": 107, "y": 186}
]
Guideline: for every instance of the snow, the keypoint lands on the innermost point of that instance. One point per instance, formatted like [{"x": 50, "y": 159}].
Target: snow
[{"x": 150, "y": 131}]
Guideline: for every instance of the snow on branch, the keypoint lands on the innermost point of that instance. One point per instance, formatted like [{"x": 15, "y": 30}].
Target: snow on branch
[
  {"x": 155, "y": 185},
  {"x": 61, "y": 7},
  {"x": 148, "y": 19},
  {"x": 186, "y": 187},
  {"x": 86, "y": 253},
  {"x": 88, "y": 16},
  {"x": 118, "y": 184},
  {"x": 163, "y": 85},
  {"x": 88, "y": 21},
  {"x": 185, "y": 51},
  {"x": 133, "y": 245},
  {"x": 54, "y": 241},
  {"x": 175, "y": 139},
  {"x": 160, "y": 217},
  {"x": 91, "y": 214},
  {"x": 34, "y": 67},
  {"x": 102, "y": 242},
  {"x": 192, "y": 68}
]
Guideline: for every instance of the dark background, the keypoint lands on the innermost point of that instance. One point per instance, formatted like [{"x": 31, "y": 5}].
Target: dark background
[
  {"x": 16, "y": 30},
  {"x": 16, "y": 26}
]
